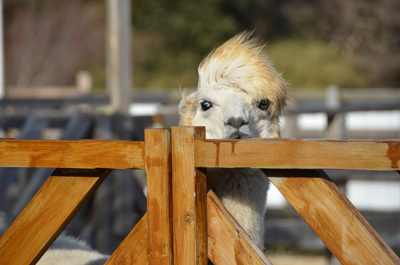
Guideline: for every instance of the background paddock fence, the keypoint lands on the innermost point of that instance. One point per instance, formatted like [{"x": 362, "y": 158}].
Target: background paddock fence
[{"x": 179, "y": 228}]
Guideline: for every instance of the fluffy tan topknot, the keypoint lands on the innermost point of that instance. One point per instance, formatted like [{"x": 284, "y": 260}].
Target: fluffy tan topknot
[{"x": 242, "y": 63}]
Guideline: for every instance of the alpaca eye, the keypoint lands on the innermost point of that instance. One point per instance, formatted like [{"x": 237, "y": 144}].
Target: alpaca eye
[
  {"x": 206, "y": 105},
  {"x": 264, "y": 104}
]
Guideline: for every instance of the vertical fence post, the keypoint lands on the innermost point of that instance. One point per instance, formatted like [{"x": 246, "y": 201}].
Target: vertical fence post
[
  {"x": 159, "y": 196},
  {"x": 2, "y": 83},
  {"x": 189, "y": 187},
  {"x": 119, "y": 54}
]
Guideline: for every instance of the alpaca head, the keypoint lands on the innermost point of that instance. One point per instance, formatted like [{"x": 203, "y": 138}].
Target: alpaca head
[{"x": 239, "y": 95}]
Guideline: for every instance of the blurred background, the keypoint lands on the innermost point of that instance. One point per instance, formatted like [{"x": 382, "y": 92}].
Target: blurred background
[{"x": 91, "y": 69}]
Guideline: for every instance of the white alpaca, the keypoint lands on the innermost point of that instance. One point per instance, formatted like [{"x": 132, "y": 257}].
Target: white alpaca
[
  {"x": 239, "y": 96},
  {"x": 67, "y": 250}
]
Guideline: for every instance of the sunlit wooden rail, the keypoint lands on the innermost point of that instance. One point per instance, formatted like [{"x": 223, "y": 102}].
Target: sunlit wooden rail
[
  {"x": 83, "y": 154},
  {"x": 185, "y": 223},
  {"x": 291, "y": 154}
]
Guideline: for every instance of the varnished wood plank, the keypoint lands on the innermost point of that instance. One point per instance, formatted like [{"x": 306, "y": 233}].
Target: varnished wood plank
[
  {"x": 189, "y": 199},
  {"x": 133, "y": 250},
  {"x": 332, "y": 217},
  {"x": 47, "y": 214},
  {"x": 85, "y": 154},
  {"x": 228, "y": 243},
  {"x": 201, "y": 216},
  {"x": 159, "y": 196},
  {"x": 293, "y": 154}
]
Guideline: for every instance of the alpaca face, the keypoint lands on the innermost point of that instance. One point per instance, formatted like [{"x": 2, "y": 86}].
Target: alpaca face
[
  {"x": 229, "y": 113},
  {"x": 239, "y": 95}
]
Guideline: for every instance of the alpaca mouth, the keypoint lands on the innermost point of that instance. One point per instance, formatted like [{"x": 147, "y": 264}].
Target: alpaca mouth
[{"x": 238, "y": 136}]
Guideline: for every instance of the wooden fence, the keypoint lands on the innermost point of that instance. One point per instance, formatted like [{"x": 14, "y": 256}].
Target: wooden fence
[{"x": 183, "y": 229}]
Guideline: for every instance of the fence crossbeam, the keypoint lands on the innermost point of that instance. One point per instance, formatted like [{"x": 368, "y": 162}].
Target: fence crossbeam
[
  {"x": 84, "y": 154},
  {"x": 295, "y": 154}
]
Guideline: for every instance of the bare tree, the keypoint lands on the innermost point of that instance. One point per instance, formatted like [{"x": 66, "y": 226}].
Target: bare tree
[{"x": 46, "y": 44}]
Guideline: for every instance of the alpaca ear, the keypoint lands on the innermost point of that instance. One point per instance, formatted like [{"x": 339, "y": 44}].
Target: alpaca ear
[
  {"x": 187, "y": 101},
  {"x": 182, "y": 107}
]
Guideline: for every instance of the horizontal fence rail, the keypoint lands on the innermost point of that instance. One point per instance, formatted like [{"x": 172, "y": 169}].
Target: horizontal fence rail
[
  {"x": 295, "y": 154},
  {"x": 255, "y": 153},
  {"x": 84, "y": 154}
]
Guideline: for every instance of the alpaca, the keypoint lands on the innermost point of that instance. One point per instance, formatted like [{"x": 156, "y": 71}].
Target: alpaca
[
  {"x": 239, "y": 96},
  {"x": 67, "y": 250}
]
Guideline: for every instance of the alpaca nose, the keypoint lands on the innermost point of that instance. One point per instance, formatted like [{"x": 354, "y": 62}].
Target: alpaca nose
[{"x": 236, "y": 122}]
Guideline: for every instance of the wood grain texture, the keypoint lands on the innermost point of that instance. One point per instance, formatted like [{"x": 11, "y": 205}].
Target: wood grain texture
[
  {"x": 332, "y": 217},
  {"x": 133, "y": 250},
  {"x": 228, "y": 243},
  {"x": 189, "y": 187},
  {"x": 47, "y": 214},
  {"x": 293, "y": 154},
  {"x": 85, "y": 154},
  {"x": 159, "y": 196}
]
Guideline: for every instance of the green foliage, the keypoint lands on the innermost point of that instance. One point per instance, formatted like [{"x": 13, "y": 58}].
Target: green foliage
[
  {"x": 194, "y": 25},
  {"x": 185, "y": 31},
  {"x": 314, "y": 63}
]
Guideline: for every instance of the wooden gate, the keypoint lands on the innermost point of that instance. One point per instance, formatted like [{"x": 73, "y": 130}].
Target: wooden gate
[{"x": 185, "y": 223}]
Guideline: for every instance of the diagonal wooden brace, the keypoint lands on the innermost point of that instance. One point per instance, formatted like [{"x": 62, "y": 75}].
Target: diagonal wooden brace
[
  {"x": 48, "y": 213},
  {"x": 133, "y": 250},
  {"x": 332, "y": 217},
  {"x": 228, "y": 243}
]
